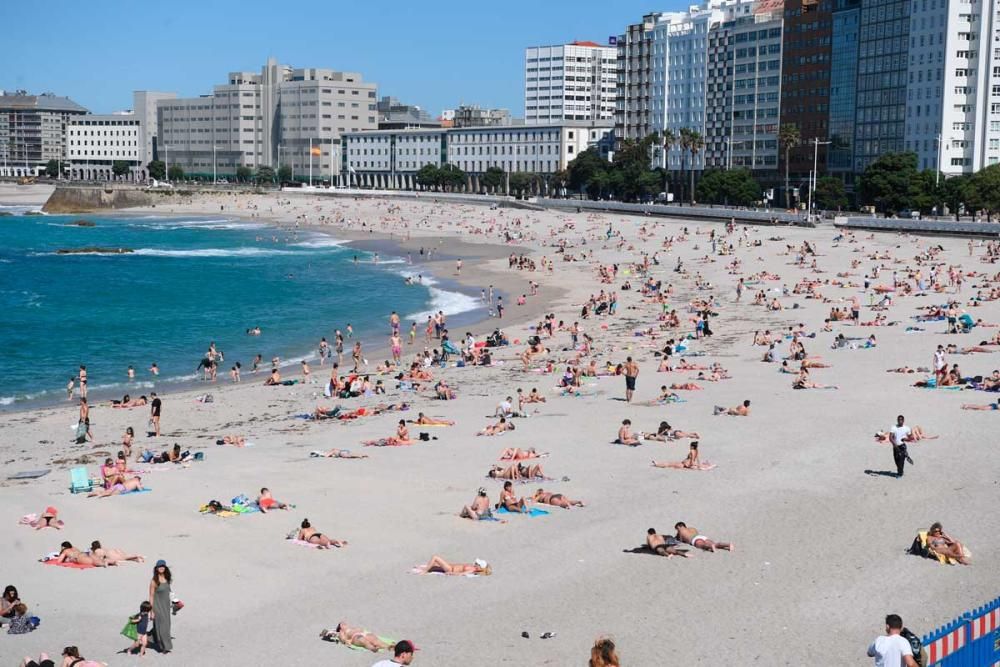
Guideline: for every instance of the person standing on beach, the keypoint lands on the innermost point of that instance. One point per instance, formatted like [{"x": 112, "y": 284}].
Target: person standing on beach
[
  {"x": 940, "y": 364},
  {"x": 856, "y": 310},
  {"x": 83, "y": 381},
  {"x": 491, "y": 295},
  {"x": 631, "y": 371},
  {"x": 458, "y": 267},
  {"x": 70, "y": 387},
  {"x": 739, "y": 289},
  {"x": 324, "y": 351},
  {"x": 394, "y": 323},
  {"x": 154, "y": 413},
  {"x": 898, "y": 435},
  {"x": 159, "y": 599},
  {"x": 413, "y": 332},
  {"x": 356, "y": 355},
  {"x": 892, "y": 649},
  {"x": 500, "y": 307}
]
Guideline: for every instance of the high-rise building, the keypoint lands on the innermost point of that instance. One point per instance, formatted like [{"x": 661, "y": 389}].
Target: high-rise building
[
  {"x": 843, "y": 88},
  {"x": 280, "y": 116},
  {"x": 744, "y": 87},
  {"x": 33, "y": 131},
  {"x": 574, "y": 81},
  {"x": 633, "y": 116},
  {"x": 805, "y": 85}
]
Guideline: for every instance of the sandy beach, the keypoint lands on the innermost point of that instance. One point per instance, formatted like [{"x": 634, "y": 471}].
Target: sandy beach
[{"x": 820, "y": 544}]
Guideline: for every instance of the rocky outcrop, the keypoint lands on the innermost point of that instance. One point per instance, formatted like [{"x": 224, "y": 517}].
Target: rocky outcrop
[{"x": 83, "y": 199}]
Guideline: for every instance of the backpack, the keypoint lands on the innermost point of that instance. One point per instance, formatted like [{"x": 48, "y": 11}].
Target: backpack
[
  {"x": 919, "y": 653},
  {"x": 919, "y": 548}
]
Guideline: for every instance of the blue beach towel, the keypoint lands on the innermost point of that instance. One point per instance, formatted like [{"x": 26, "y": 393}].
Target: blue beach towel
[{"x": 534, "y": 511}]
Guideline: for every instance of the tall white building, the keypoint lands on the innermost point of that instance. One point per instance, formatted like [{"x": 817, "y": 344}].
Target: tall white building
[
  {"x": 280, "y": 116},
  {"x": 953, "y": 88},
  {"x": 575, "y": 81}
]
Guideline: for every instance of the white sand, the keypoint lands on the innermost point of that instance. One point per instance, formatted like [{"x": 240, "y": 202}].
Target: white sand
[{"x": 820, "y": 545}]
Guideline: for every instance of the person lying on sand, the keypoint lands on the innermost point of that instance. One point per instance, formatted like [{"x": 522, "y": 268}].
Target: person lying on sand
[
  {"x": 480, "y": 508},
  {"x": 738, "y": 411},
  {"x": 690, "y": 462},
  {"x": 337, "y": 454},
  {"x": 236, "y": 440},
  {"x": 938, "y": 542},
  {"x": 556, "y": 499},
  {"x": 128, "y": 402},
  {"x": 517, "y": 471},
  {"x": 352, "y": 636},
  {"x": 694, "y": 538},
  {"x": 976, "y": 406},
  {"x": 112, "y": 556},
  {"x": 517, "y": 454},
  {"x": 802, "y": 381},
  {"x": 916, "y": 434},
  {"x": 70, "y": 554},
  {"x": 424, "y": 420},
  {"x": 438, "y": 564},
  {"x": 666, "y": 396},
  {"x": 130, "y": 485},
  {"x": 402, "y": 437},
  {"x": 664, "y": 545},
  {"x": 685, "y": 386},
  {"x": 664, "y": 433},
  {"x": 531, "y": 397},
  {"x": 499, "y": 428},
  {"x": 309, "y": 534},
  {"x": 625, "y": 435},
  {"x": 907, "y": 369},
  {"x": 267, "y": 502},
  {"x": 48, "y": 519}
]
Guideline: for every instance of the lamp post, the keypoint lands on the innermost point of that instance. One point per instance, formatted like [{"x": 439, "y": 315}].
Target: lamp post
[{"x": 812, "y": 184}]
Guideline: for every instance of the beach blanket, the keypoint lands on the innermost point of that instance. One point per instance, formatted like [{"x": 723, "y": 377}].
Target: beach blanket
[
  {"x": 336, "y": 640},
  {"x": 132, "y": 493},
  {"x": 74, "y": 566},
  {"x": 704, "y": 465},
  {"x": 534, "y": 511},
  {"x": 303, "y": 543}
]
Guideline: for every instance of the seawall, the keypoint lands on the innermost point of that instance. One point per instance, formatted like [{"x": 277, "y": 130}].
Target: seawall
[{"x": 71, "y": 199}]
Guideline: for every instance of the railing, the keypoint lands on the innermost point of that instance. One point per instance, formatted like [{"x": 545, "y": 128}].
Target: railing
[{"x": 971, "y": 640}]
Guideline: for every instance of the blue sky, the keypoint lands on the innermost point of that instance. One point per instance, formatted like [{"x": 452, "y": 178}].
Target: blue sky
[{"x": 435, "y": 54}]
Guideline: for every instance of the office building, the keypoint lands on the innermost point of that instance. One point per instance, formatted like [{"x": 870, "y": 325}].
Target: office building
[
  {"x": 574, "y": 81},
  {"x": 395, "y": 115},
  {"x": 391, "y": 158},
  {"x": 33, "y": 131},
  {"x": 633, "y": 114},
  {"x": 843, "y": 88},
  {"x": 280, "y": 116},
  {"x": 472, "y": 115},
  {"x": 744, "y": 87}
]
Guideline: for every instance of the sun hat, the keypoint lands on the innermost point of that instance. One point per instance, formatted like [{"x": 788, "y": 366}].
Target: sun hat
[
  {"x": 161, "y": 563},
  {"x": 481, "y": 563}
]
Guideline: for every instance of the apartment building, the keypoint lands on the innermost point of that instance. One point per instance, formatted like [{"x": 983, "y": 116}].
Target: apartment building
[
  {"x": 33, "y": 131},
  {"x": 280, "y": 116},
  {"x": 633, "y": 112},
  {"x": 575, "y": 81},
  {"x": 391, "y": 158}
]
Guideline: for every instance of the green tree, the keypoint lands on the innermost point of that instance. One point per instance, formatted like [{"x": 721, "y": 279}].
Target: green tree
[
  {"x": 157, "y": 170},
  {"x": 667, "y": 140},
  {"x": 695, "y": 145},
  {"x": 521, "y": 182},
  {"x": 451, "y": 177},
  {"x": 887, "y": 182},
  {"x": 494, "y": 179},
  {"x": 735, "y": 187},
  {"x": 176, "y": 173},
  {"x": 788, "y": 137},
  {"x": 429, "y": 176},
  {"x": 959, "y": 190},
  {"x": 52, "y": 168},
  {"x": 265, "y": 175},
  {"x": 119, "y": 167},
  {"x": 284, "y": 173},
  {"x": 243, "y": 174},
  {"x": 830, "y": 193},
  {"x": 986, "y": 187},
  {"x": 584, "y": 167},
  {"x": 558, "y": 181}
]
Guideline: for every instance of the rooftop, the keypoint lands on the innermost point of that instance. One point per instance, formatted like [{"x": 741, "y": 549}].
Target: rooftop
[{"x": 44, "y": 102}]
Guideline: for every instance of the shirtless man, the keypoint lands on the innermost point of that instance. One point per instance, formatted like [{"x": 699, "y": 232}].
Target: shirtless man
[
  {"x": 130, "y": 485},
  {"x": 499, "y": 428},
  {"x": 479, "y": 509},
  {"x": 738, "y": 411},
  {"x": 266, "y": 502},
  {"x": 664, "y": 545},
  {"x": 625, "y": 436},
  {"x": 631, "y": 371},
  {"x": 556, "y": 499},
  {"x": 694, "y": 538}
]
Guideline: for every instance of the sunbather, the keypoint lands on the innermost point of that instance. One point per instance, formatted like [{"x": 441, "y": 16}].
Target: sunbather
[
  {"x": 977, "y": 406},
  {"x": 351, "y": 636},
  {"x": 111, "y": 556},
  {"x": 266, "y": 502},
  {"x": 236, "y": 440},
  {"x": 938, "y": 542},
  {"x": 130, "y": 485},
  {"x": 517, "y": 454},
  {"x": 690, "y": 462},
  {"x": 556, "y": 499},
  {"x": 70, "y": 554},
  {"x": 402, "y": 437},
  {"x": 479, "y": 509},
  {"x": 664, "y": 433},
  {"x": 309, "y": 534},
  {"x": 664, "y": 545},
  {"x": 509, "y": 500},
  {"x": 424, "y": 420},
  {"x": 738, "y": 411},
  {"x": 338, "y": 454},
  {"x": 48, "y": 519},
  {"x": 438, "y": 564},
  {"x": 916, "y": 434},
  {"x": 499, "y": 428},
  {"x": 625, "y": 435},
  {"x": 694, "y": 538},
  {"x": 517, "y": 471}
]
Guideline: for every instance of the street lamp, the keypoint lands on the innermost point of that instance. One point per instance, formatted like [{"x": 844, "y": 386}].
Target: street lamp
[{"x": 812, "y": 184}]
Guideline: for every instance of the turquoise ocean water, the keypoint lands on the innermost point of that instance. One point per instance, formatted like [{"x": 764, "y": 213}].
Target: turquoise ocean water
[{"x": 189, "y": 281}]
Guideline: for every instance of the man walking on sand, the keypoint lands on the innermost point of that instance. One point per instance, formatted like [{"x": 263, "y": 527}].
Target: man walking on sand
[
  {"x": 154, "y": 413},
  {"x": 898, "y": 435},
  {"x": 631, "y": 370},
  {"x": 940, "y": 365},
  {"x": 402, "y": 655},
  {"x": 892, "y": 649}
]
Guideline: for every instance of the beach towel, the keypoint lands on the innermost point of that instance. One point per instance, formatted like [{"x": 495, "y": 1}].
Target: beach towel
[
  {"x": 74, "y": 566},
  {"x": 336, "y": 640},
  {"x": 302, "y": 543},
  {"x": 132, "y": 493},
  {"x": 920, "y": 548},
  {"x": 534, "y": 511}
]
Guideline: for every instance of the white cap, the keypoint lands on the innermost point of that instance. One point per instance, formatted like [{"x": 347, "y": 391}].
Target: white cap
[{"x": 481, "y": 563}]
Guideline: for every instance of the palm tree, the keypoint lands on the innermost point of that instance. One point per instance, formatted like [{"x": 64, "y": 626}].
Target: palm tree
[
  {"x": 695, "y": 144},
  {"x": 668, "y": 140},
  {"x": 788, "y": 136},
  {"x": 684, "y": 141}
]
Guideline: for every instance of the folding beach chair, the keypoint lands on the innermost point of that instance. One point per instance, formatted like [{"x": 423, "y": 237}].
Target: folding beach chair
[{"x": 79, "y": 480}]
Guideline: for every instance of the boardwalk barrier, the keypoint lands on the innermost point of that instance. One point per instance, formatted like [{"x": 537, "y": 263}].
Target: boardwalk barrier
[{"x": 971, "y": 640}]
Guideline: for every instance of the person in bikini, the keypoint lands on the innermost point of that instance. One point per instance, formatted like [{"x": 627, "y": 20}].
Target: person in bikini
[
  {"x": 112, "y": 556},
  {"x": 517, "y": 454},
  {"x": 338, "y": 454},
  {"x": 438, "y": 564},
  {"x": 556, "y": 499},
  {"x": 352, "y": 636},
  {"x": 690, "y": 462},
  {"x": 424, "y": 420},
  {"x": 742, "y": 410},
  {"x": 237, "y": 440},
  {"x": 509, "y": 500},
  {"x": 266, "y": 502},
  {"x": 664, "y": 545},
  {"x": 48, "y": 519},
  {"x": 978, "y": 406},
  {"x": 128, "y": 486},
  {"x": 625, "y": 435},
  {"x": 497, "y": 429},
  {"x": 664, "y": 433},
  {"x": 938, "y": 542},
  {"x": 402, "y": 437},
  {"x": 70, "y": 554},
  {"x": 516, "y": 471},
  {"x": 309, "y": 534},
  {"x": 694, "y": 538}
]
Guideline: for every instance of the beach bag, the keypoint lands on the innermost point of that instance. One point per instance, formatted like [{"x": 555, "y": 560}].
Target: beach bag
[
  {"x": 919, "y": 652},
  {"x": 130, "y": 630},
  {"x": 919, "y": 547}
]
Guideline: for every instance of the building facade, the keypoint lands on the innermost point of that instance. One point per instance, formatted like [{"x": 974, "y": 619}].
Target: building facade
[
  {"x": 633, "y": 91},
  {"x": 575, "y": 81},
  {"x": 843, "y": 88},
  {"x": 472, "y": 115},
  {"x": 392, "y": 158},
  {"x": 395, "y": 115},
  {"x": 33, "y": 131},
  {"x": 280, "y": 116}
]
